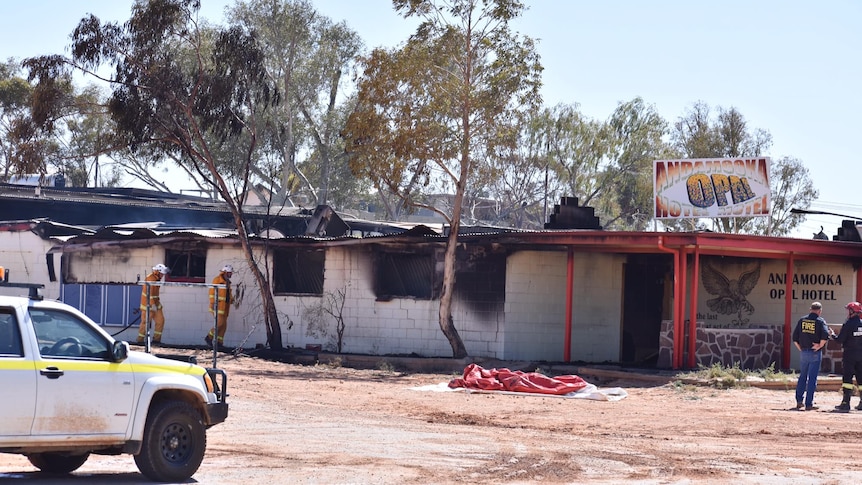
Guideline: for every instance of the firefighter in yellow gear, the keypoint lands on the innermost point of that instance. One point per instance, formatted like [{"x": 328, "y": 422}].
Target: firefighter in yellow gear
[
  {"x": 157, "y": 315},
  {"x": 220, "y": 301}
]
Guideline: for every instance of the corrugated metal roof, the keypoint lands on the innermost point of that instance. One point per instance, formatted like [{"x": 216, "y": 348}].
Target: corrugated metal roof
[{"x": 375, "y": 232}]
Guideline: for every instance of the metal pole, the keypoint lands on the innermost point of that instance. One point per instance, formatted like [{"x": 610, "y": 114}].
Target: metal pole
[
  {"x": 146, "y": 315},
  {"x": 215, "y": 326}
]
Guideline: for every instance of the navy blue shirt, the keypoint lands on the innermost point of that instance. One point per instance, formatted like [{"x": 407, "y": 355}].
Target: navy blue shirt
[
  {"x": 810, "y": 330},
  {"x": 851, "y": 336}
]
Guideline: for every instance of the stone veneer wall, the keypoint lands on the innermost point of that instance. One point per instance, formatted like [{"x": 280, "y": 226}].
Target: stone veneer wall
[{"x": 751, "y": 348}]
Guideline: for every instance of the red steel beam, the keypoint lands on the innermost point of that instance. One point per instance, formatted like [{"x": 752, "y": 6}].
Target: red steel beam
[
  {"x": 570, "y": 279},
  {"x": 788, "y": 293},
  {"x": 692, "y": 316},
  {"x": 680, "y": 321},
  {"x": 677, "y": 292}
]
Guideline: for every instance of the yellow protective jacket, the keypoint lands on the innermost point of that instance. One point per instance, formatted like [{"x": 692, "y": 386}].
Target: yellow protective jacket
[
  {"x": 224, "y": 296},
  {"x": 155, "y": 303}
]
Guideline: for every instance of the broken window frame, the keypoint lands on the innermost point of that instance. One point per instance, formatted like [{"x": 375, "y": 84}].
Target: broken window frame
[
  {"x": 298, "y": 271},
  {"x": 402, "y": 275},
  {"x": 186, "y": 265}
]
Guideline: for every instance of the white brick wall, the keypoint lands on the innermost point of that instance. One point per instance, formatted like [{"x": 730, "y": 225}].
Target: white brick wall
[
  {"x": 399, "y": 326},
  {"x": 536, "y": 306},
  {"x": 535, "y": 302},
  {"x": 116, "y": 264},
  {"x": 534, "y": 326},
  {"x": 530, "y": 325},
  {"x": 23, "y": 254}
]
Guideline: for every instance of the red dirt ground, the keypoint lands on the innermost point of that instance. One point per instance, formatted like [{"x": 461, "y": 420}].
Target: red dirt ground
[{"x": 321, "y": 424}]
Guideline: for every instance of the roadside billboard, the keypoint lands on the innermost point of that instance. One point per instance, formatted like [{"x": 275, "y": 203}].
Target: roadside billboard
[{"x": 711, "y": 187}]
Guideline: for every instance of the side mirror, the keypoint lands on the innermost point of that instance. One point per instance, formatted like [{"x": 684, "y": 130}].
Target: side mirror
[{"x": 119, "y": 351}]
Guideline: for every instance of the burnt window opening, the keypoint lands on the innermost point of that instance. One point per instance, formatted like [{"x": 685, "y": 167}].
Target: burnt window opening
[
  {"x": 52, "y": 274},
  {"x": 400, "y": 275},
  {"x": 480, "y": 281},
  {"x": 298, "y": 271},
  {"x": 187, "y": 266}
]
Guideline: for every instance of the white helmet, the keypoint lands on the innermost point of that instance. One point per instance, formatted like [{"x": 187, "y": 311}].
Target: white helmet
[
  {"x": 161, "y": 268},
  {"x": 227, "y": 269}
]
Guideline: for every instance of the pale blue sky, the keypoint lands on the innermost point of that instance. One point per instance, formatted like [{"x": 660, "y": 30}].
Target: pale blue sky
[{"x": 790, "y": 67}]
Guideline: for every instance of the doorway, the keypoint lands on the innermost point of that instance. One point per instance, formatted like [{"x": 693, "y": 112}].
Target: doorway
[{"x": 643, "y": 301}]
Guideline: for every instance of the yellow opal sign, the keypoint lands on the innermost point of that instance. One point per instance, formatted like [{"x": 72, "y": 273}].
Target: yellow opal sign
[{"x": 711, "y": 187}]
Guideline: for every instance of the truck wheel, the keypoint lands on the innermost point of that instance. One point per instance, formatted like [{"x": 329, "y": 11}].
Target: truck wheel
[
  {"x": 174, "y": 442},
  {"x": 59, "y": 463}
]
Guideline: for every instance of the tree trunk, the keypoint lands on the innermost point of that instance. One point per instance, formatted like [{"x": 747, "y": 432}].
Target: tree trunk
[
  {"x": 447, "y": 324},
  {"x": 270, "y": 315}
]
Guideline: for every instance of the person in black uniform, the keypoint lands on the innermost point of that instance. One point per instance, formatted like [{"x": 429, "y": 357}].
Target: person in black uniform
[
  {"x": 850, "y": 337},
  {"x": 810, "y": 336}
]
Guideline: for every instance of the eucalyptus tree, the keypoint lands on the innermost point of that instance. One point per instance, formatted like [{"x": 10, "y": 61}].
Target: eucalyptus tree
[
  {"x": 694, "y": 135},
  {"x": 15, "y": 93},
  {"x": 636, "y": 133},
  {"x": 88, "y": 142},
  {"x": 188, "y": 111},
  {"x": 27, "y": 148},
  {"x": 792, "y": 188},
  {"x": 574, "y": 150},
  {"x": 81, "y": 131},
  {"x": 153, "y": 168},
  {"x": 606, "y": 165},
  {"x": 578, "y": 149},
  {"x": 307, "y": 55},
  {"x": 517, "y": 180},
  {"x": 431, "y": 111}
]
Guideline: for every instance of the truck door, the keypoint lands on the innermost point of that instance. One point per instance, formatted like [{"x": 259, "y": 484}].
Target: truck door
[
  {"x": 18, "y": 375},
  {"x": 79, "y": 390}
]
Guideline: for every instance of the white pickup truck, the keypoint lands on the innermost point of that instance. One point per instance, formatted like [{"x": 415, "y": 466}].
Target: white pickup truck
[{"x": 70, "y": 389}]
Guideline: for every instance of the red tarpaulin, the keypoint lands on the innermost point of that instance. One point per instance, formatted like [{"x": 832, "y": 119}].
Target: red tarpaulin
[{"x": 475, "y": 377}]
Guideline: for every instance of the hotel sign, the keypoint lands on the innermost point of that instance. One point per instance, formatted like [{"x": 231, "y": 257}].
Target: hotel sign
[{"x": 711, "y": 187}]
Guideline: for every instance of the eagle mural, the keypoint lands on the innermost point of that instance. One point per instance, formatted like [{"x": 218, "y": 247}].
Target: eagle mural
[{"x": 731, "y": 296}]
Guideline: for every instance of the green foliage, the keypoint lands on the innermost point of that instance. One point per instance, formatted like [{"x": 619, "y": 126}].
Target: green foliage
[
  {"x": 724, "y": 377},
  {"x": 431, "y": 113},
  {"x": 577, "y": 152},
  {"x": 792, "y": 188},
  {"x": 334, "y": 362},
  {"x": 690, "y": 390},
  {"x": 560, "y": 152},
  {"x": 385, "y": 366},
  {"x": 636, "y": 135},
  {"x": 720, "y": 376},
  {"x": 22, "y": 148},
  {"x": 770, "y": 374},
  {"x": 307, "y": 56},
  {"x": 179, "y": 92},
  {"x": 50, "y": 126},
  {"x": 699, "y": 134}
]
